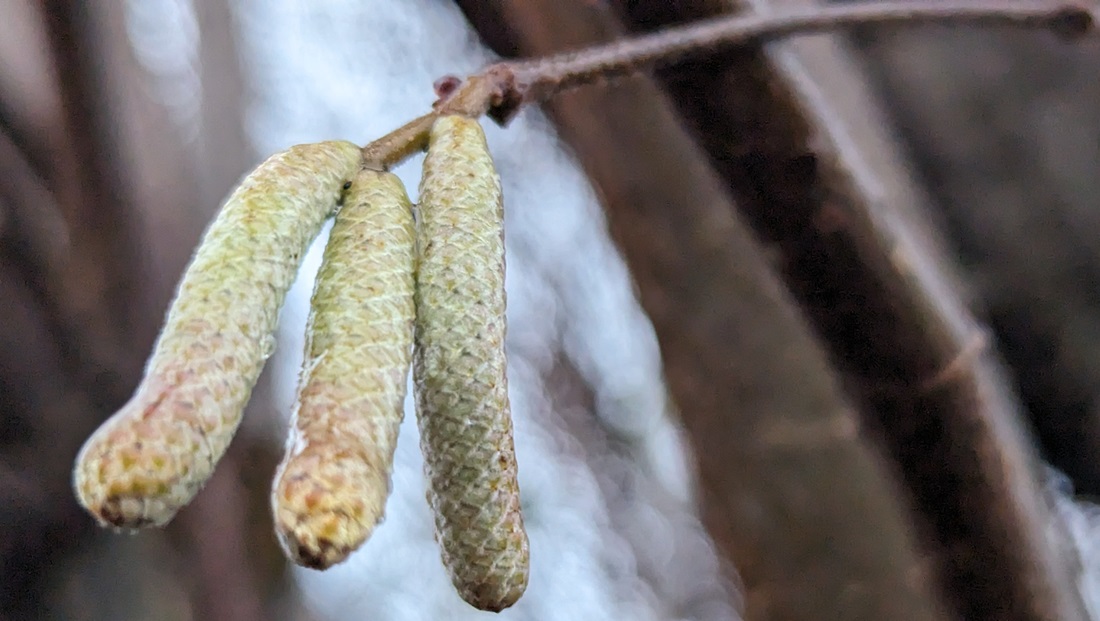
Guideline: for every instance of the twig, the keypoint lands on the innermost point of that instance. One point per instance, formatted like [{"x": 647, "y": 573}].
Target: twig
[
  {"x": 474, "y": 98},
  {"x": 400, "y": 144},
  {"x": 502, "y": 89},
  {"x": 543, "y": 78}
]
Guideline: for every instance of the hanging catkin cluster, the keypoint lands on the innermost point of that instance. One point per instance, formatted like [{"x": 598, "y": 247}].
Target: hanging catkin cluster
[
  {"x": 384, "y": 286},
  {"x": 459, "y": 369},
  {"x": 149, "y": 459}
]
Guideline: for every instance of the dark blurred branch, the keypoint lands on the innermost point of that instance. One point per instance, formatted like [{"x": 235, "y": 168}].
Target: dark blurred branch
[
  {"x": 1018, "y": 193},
  {"x": 104, "y": 274},
  {"x": 45, "y": 395},
  {"x": 80, "y": 308},
  {"x": 877, "y": 294},
  {"x": 37, "y": 434},
  {"x": 215, "y": 529},
  {"x": 797, "y": 138},
  {"x": 24, "y": 503},
  {"x": 33, "y": 234},
  {"x": 783, "y": 467},
  {"x": 29, "y": 108}
]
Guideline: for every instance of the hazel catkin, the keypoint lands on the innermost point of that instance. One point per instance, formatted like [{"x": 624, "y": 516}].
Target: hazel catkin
[
  {"x": 152, "y": 456},
  {"x": 332, "y": 486},
  {"x": 459, "y": 369}
]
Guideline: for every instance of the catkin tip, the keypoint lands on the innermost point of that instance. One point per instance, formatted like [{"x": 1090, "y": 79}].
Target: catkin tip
[
  {"x": 489, "y": 597},
  {"x": 318, "y": 553},
  {"x": 125, "y": 512},
  {"x": 327, "y": 508},
  {"x": 127, "y": 504},
  {"x": 152, "y": 457},
  {"x": 331, "y": 491},
  {"x": 136, "y": 470}
]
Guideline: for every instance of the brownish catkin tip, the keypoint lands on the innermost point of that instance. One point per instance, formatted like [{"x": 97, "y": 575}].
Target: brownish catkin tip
[
  {"x": 331, "y": 489},
  {"x": 150, "y": 459},
  {"x": 459, "y": 369}
]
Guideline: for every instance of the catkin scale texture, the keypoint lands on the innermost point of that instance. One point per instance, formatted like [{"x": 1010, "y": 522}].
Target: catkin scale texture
[
  {"x": 459, "y": 369},
  {"x": 331, "y": 488},
  {"x": 152, "y": 456}
]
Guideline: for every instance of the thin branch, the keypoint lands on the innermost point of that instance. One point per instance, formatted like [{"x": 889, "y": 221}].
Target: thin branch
[
  {"x": 477, "y": 95},
  {"x": 543, "y": 78},
  {"x": 400, "y": 144},
  {"x": 500, "y": 90}
]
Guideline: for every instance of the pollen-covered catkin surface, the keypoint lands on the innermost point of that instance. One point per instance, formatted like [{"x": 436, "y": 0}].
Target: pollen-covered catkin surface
[
  {"x": 459, "y": 369},
  {"x": 331, "y": 489},
  {"x": 152, "y": 456}
]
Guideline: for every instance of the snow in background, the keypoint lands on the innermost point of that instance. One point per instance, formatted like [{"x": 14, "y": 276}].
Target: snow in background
[{"x": 605, "y": 485}]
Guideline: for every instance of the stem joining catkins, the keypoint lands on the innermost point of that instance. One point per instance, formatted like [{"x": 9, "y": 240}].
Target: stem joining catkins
[
  {"x": 459, "y": 369},
  {"x": 150, "y": 459},
  {"x": 331, "y": 489}
]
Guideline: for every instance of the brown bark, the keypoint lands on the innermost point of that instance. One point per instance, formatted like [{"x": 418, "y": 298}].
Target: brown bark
[
  {"x": 104, "y": 274},
  {"x": 796, "y": 136},
  {"x": 790, "y": 487},
  {"x": 1018, "y": 193}
]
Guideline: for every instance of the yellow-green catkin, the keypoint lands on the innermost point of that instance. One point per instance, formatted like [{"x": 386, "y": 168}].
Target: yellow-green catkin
[
  {"x": 331, "y": 488},
  {"x": 150, "y": 459},
  {"x": 459, "y": 369}
]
